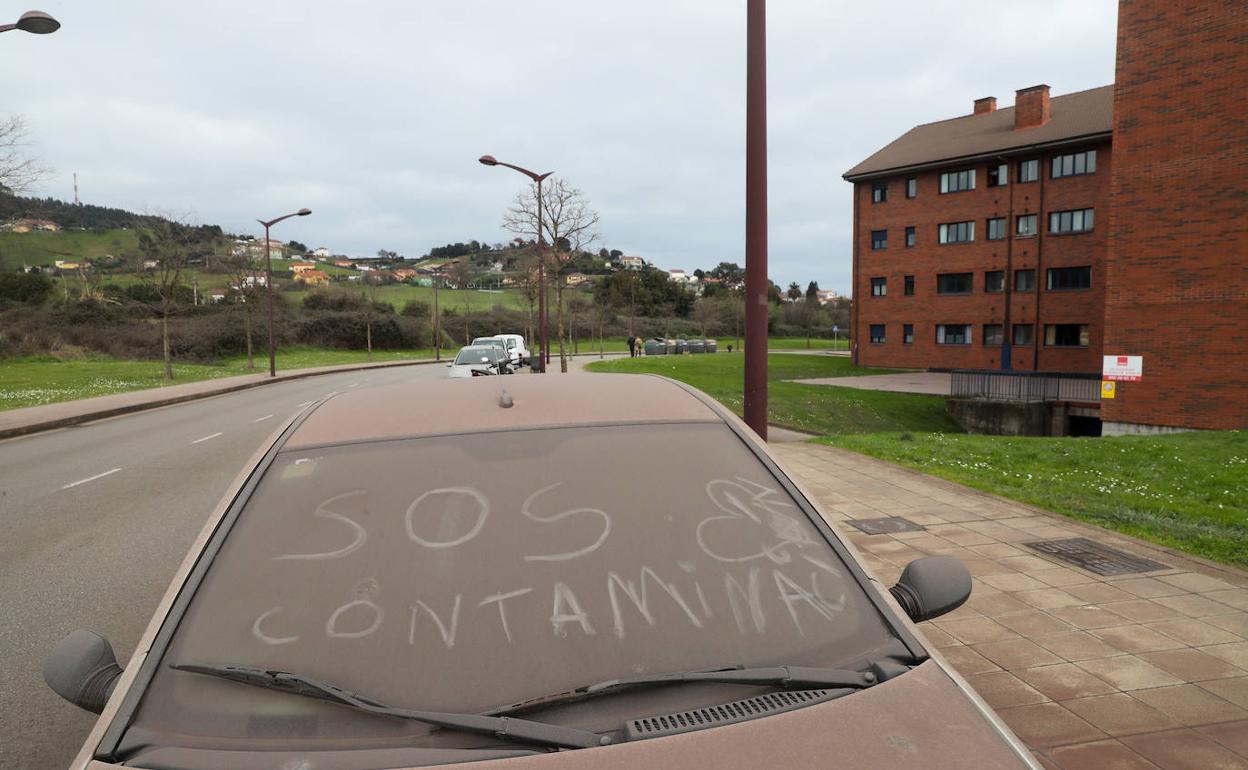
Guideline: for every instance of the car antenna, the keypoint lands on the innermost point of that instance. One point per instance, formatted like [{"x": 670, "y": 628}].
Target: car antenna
[{"x": 504, "y": 399}]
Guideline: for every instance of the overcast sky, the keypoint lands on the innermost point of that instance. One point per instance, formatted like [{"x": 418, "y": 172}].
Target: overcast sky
[{"x": 235, "y": 109}]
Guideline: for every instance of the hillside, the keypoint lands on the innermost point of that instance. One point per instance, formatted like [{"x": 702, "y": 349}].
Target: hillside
[{"x": 41, "y": 248}]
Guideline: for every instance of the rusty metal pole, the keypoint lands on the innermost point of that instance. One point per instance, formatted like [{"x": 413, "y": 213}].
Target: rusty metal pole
[
  {"x": 541, "y": 284},
  {"x": 756, "y": 305},
  {"x": 268, "y": 286}
]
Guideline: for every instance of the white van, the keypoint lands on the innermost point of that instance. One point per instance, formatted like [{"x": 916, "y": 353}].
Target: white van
[{"x": 516, "y": 349}]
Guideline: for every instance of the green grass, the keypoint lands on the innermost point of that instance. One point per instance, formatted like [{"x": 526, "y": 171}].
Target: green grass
[
  {"x": 399, "y": 295},
  {"x": 1188, "y": 491},
  {"x": 799, "y": 343},
  {"x": 41, "y": 248},
  {"x": 44, "y": 379},
  {"x": 813, "y": 408}
]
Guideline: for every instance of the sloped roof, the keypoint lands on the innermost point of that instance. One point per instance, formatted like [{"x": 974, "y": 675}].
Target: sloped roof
[{"x": 1072, "y": 116}]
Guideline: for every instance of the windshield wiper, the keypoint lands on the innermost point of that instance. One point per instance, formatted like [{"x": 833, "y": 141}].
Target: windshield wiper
[
  {"x": 789, "y": 677},
  {"x": 502, "y": 727}
]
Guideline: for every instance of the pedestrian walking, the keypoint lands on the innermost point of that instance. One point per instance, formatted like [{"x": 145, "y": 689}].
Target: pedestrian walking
[{"x": 632, "y": 346}]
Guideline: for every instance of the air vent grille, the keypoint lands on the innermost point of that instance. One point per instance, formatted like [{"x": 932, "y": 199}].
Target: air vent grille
[{"x": 728, "y": 713}]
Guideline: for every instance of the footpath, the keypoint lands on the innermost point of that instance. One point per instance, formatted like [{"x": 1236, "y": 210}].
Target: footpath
[{"x": 1131, "y": 670}]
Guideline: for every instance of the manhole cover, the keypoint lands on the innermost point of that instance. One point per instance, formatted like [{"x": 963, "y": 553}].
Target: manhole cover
[
  {"x": 1095, "y": 557},
  {"x": 885, "y": 526}
]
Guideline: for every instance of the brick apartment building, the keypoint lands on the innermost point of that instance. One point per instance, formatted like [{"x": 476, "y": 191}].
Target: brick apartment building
[
  {"x": 1108, "y": 221},
  {"x": 978, "y": 241}
]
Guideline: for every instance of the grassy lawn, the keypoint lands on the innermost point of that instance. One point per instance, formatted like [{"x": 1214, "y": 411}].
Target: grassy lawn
[
  {"x": 813, "y": 408},
  {"x": 40, "y": 248},
  {"x": 45, "y": 379},
  {"x": 1188, "y": 491},
  {"x": 400, "y": 294}
]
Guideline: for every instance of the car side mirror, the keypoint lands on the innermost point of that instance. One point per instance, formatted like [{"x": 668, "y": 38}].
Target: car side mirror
[
  {"x": 449, "y": 364},
  {"x": 932, "y": 586},
  {"x": 83, "y": 670}
]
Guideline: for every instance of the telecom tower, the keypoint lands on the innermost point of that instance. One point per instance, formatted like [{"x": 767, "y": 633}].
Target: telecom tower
[{"x": 76, "y": 203}]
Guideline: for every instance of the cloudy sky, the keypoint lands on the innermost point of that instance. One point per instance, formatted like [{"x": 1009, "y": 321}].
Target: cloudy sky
[{"x": 236, "y": 109}]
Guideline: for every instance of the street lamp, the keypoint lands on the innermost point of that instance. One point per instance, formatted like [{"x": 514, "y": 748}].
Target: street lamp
[
  {"x": 34, "y": 22},
  {"x": 544, "y": 350},
  {"x": 756, "y": 284},
  {"x": 268, "y": 281}
]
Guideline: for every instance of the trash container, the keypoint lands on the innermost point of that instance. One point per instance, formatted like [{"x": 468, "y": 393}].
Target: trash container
[
  {"x": 697, "y": 346},
  {"x": 712, "y": 346},
  {"x": 682, "y": 347},
  {"x": 655, "y": 348}
]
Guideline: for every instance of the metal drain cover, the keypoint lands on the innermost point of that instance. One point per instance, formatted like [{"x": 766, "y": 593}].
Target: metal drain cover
[
  {"x": 1094, "y": 557},
  {"x": 885, "y": 526}
]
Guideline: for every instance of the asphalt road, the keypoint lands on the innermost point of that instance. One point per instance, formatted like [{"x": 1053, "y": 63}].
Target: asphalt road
[{"x": 95, "y": 519}]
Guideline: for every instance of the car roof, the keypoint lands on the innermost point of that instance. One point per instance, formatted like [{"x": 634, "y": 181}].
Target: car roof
[{"x": 440, "y": 407}]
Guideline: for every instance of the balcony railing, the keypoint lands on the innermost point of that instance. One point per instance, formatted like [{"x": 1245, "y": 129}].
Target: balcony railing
[{"x": 997, "y": 385}]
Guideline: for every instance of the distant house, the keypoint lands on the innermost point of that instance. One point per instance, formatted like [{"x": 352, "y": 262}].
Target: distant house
[
  {"x": 404, "y": 273},
  {"x": 828, "y": 295},
  {"x": 299, "y": 268},
  {"x": 66, "y": 264},
  {"x": 342, "y": 262},
  {"x": 632, "y": 263},
  {"x": 217, "y": 295},
  {"x": 312, "y": 277},
  {"x": 678, "y": 276},
  {"x": 575, "y": 279},
  {"x": 151, "y": 264},
  {"x": 250, "y": 280},
  {"x": 320, "y": 252}
]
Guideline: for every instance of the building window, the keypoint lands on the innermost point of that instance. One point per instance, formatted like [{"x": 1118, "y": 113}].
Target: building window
[
  {"x": 1028, "y": 170},
  {"x": 1026, "y": 225},
  {"x": 994, "y": 281},
  {"x": 957, "y": 181},
  {"x": 1024, "y": 280},
  {"x": 953, "y": 334},
  {"x": 1066, "y": 335},
  {"x": 879, "y": 287},
  {"x": 1074, "y": 164},
  {"x": 907, "y": 334},
  {"x": 908, "y": 286},
  {"x": 996, "y": 229},
  {"x": 877, "y": 334},
  {"x": 953, "y": 283},
  {"x": 1068, "y": 278},
  {"x": 879, "y": 240},
  {"x": 911, "y": 238},
  {"x": 999, "y": 176},
  {"x": 879, "y": 192},
  {"x": 1023, "y": 334},
  {"x": 957, "y": 232},
  {"x": 912, "y": 188},
  {"x": 1077, "y": 221},
  {"x": 993, "y": 334}
]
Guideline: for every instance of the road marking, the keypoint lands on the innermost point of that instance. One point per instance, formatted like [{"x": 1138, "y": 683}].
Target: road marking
[
  {"x": 354, "y": 385},
  {"x": 262, "y": 419},
  {"x": 91, "y": 478},
  {"x": 205, "y": 438},
  {"x": 305, "y": 403},
  {"x": 329, "y": 394}
]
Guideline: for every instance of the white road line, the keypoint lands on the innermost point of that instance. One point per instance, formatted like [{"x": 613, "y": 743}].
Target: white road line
[
  {"x": 91, "y": 478},
  {"x": 305, "y": 403},
  {"x": 354, "y": 385},
  {"x": 205, "y": 438},
  {"x": 262, "y": 419}
]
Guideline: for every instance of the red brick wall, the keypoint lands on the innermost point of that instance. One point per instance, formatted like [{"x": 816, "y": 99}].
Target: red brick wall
[
  {"x": 1177, "y": 268},
  {"x": 926, "y": 309}
]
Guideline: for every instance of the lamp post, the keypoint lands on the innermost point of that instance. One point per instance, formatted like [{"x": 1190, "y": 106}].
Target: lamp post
[
  {"x": 544, "y": 350},
  {"x": 268, "y": 281},
  {"x": 756, "y": 302},
  {"x": 34, "y": 22}
]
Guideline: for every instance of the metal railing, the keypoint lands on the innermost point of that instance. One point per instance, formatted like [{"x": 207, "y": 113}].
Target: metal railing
[{"x": 997, "y": 385}]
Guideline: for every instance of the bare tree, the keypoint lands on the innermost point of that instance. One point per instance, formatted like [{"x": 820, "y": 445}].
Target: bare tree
[
  {"x": 18, "y": 170},
  {"x": 461, "y": 275},
  {"x": 567, "y": 222},
  {"x": 170, "y": 245},
  {"x": 246, "y": 286}
]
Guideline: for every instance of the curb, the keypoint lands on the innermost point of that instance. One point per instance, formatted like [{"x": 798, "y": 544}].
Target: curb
[{"x": 156, "y": 403}]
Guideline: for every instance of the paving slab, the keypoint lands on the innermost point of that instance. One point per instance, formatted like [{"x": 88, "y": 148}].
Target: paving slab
[{"x": 1136, "y": 670}]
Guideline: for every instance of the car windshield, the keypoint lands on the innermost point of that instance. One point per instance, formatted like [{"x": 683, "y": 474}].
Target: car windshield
[
  {"x": 467, "y": 573},
  {"x": 475, "y": 354}
]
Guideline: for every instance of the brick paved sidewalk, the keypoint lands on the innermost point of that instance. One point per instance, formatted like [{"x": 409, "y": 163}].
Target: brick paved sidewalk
[{"x": 1130, "y": 671}]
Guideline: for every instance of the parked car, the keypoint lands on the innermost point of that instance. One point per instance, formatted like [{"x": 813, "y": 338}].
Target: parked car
[
  {"x": 516, "y": 346},
  {"x": 475, "y": 360},
  {"x": 495, "y": 341},
  {"x": 365, "y": 596}
]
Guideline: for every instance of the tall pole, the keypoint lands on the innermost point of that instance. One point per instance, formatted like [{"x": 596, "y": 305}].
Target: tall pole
[
  {"x": 268, "y": 286},
  {"x": 756, "y": 218},
  {"x": 437, "y": 332},
  {"x": 541, "y": 283}
]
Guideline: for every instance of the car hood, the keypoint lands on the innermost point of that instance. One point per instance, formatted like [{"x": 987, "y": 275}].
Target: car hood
[{"x": 920, "y": 720}]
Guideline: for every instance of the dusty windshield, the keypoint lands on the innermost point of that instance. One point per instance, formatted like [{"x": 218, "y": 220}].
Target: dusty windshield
[{"x": 471, "y": 572}]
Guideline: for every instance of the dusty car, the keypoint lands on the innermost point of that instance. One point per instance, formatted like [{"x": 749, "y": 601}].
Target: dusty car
[{"x": 372, "y": 593}]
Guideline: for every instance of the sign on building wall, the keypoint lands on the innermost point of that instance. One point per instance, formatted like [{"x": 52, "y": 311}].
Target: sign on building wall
[
  {"x": 1122, "y": 368},
  {"x": 1109, "y": 389}
]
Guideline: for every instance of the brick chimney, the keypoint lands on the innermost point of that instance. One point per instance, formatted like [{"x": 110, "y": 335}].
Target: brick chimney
[
  {"x": 985, "y": 105},
  {"x": 1031, "y": 107}
]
